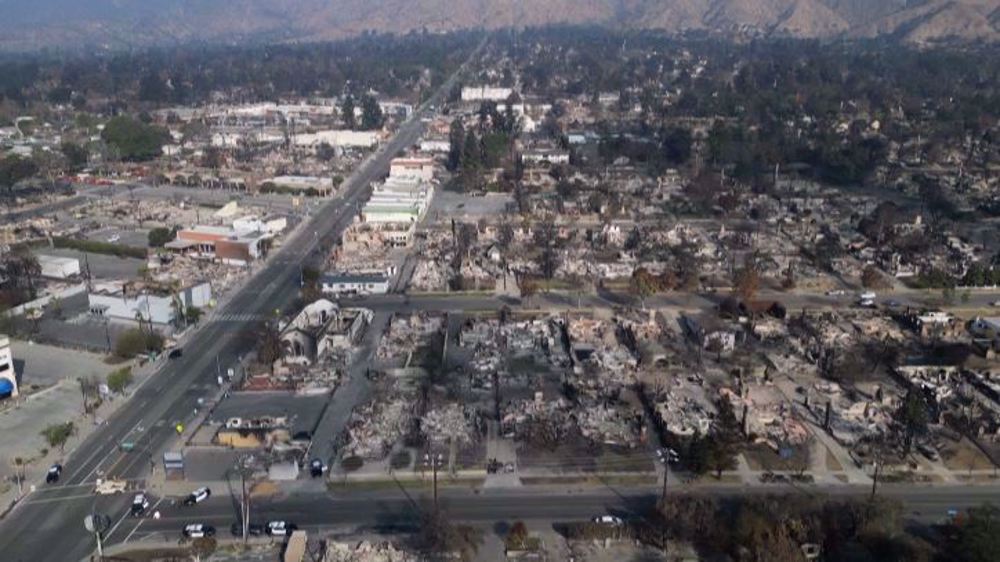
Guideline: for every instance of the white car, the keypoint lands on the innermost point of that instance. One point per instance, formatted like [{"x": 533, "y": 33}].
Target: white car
[
  {"x": 280, "y": 528},
  {"x": 114, "y": 238},
  {"x": 995, "y": 303},
  {"x": 198, "y": 530},
  {"x": 198, "y": 496},
  {"x": 140, "y": 503},
  {"x": 609, "y": 520}
]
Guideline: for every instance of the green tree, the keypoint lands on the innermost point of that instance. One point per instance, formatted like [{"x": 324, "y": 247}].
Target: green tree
[
  {"x": 456, "y": 144},
  {"x": 15, "y": 169},
  {"x": 134, "y": 341},
  {"x": 912, "y": 417},
  {"x": 119, "y": 380},
  {"x": 134, "y": 140},
  {"x": 193, "y": 314},
  {"x": 130, "y": 343},
  {"x": 371, "y": 114},
  {"x": 57, "y": 435},
  {"x": 76, "y": 155},
  {"x": 979, "y": 535},
  {"x": 159, "y": 236},
  {"x": 643, "y": 284},
  {"x": 746, "y": 281},
  {"x": 347, "y": 112},
  {"x": 268, "y": 344}
]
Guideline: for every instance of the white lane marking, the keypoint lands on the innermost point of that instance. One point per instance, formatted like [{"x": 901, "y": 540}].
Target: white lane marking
[
  {"x": 60, "y": 499},
  {"x": 115, "y": 527}
]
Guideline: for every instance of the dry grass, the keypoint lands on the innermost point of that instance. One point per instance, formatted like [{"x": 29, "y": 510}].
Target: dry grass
[{"x": 964, "y": 455}]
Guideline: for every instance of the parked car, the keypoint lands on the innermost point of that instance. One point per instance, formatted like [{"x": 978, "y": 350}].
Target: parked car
[
  {"x": 175, "y": 353},
  {"x": 253, "y": 529},
  {"x": 928, "y": 451},
  {"x": 280, "y": 528},
  {"x": 609, "y": 520},
  {"x": 140, "y": 503},
  {"x": 316, "y": 468},
  {"x": 198, "y": 496},
  {"x": 198, "y": 530},
  {"x": 52, "y": 476}
]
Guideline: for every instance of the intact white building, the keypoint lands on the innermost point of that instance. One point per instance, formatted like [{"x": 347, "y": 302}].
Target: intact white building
[
  {"x": 111, "y": 301},
  {"x": 485, "y": 93},
  {"x": 251, "y": 223},
  {"x": 354, "y": 284},
  {"x": 398, "y": 200},
  {"x": 435, "y": 146},
  {"x": 338, "y": 137},
  {"x": 541, "y": 155},
  {"x": 57, "y": 267},
  {"x": 8, "y": 378}
]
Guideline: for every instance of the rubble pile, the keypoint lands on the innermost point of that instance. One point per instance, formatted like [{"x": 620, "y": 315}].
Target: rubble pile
[
  {"x": 376, "y": 426},
  {"x": 429, "y": 275},
  {"x": 448, "y": 424},
  {"x": 612, "y": 426},
  {"x": 406, "y": 333},
  {"x": 365, "y": 551}
]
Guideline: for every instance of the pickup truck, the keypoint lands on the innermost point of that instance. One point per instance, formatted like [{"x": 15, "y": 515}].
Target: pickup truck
[{"x": 110, "y": 486}]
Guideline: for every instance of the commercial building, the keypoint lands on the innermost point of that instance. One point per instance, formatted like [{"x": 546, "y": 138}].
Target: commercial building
[
  {"x": 8, "y": 378},
  {"x": 338, "y": 137},
  {"x": 324, "y": 186},
  {"x": 226, "y": 245},
  {"x": 398, "y": 200},
  {"x": 412, "y": 168},
  {"x": 116, "y": 302},
  {"x": 354, "y": 283},
  {"x": 485, "y": 93}
]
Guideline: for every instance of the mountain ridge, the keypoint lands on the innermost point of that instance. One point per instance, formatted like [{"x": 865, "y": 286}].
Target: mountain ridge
[{"x": 32, "y": 24}]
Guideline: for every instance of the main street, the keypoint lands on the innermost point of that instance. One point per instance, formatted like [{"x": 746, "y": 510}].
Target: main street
[
  {"x": 399, "y": 509},
  {"x": 53, "y": 530}
]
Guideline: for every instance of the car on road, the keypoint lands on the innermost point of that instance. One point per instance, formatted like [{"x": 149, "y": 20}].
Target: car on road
[
  {"x": 609, "y": 520},
  {"x": 175, "y": 353},
  {"x": 668, "y": 455},
  {"x": 114, "y": 238},
  {"x": 198, "y": 530},
  {"x": 836, "y": 293},
  {"x": 316, "y": 468},
  {"x": 140, "y": 503},
  {"x": 52, "y": 476},
  {"x": 198, "y": 496},
  {"x": 253, "y": 529},
  {"x": 995, "y": 303},
  {"x": 280, "y": 528}
]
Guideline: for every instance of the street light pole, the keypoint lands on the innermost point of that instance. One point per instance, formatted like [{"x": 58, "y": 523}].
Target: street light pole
[{"x": 434, "y": 461}]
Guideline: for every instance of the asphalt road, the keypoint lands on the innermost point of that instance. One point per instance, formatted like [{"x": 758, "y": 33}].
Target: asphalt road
[
  {"x": 401, "y": 510},
  {"x": 49, "y": 526},
  {"x": 793, "y": 301}
]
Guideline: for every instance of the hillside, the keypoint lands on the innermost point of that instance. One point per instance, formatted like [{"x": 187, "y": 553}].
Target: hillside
[{"x": 32, "y": 24}]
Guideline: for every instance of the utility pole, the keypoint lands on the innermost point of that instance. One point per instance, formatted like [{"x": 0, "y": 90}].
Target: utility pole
[
  {"x": 878, "y": 465},
  {"x": 435, "y": 462},
  {"x": 663, "y": 493}
]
